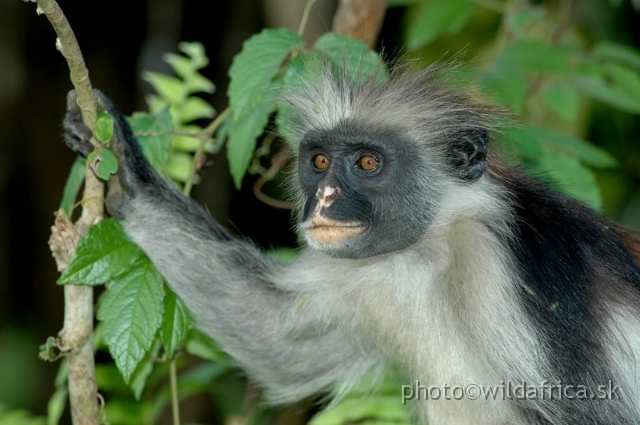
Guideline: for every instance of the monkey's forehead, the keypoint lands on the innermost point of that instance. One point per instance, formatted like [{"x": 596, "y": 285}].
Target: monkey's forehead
[{"x": 415, "y": 103}]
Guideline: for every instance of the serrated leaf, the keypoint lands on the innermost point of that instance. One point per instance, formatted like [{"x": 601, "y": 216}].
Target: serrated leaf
[
  {"x": 103, "y": 254},
  {"x": 598, "y": 88},
  {"x": 170, "y": 89},
  {"x": 103, "y": 129},
  {"x": 570, "y": 177},
  {"x": 533, "y": 55},
  {"x": 438, "y": 17},
  {"x": 256, "y": 66},
  {"x": 349, "y": 55},
  {"x": 617, "y": 52},
  {"x": 131, "y": 313},
  {"x": 204, "y": 347},
  {"x": 175, "y": 324},
  {"x": 562, "y": 99},
  {"x": 143, "y": 370},
  {"x": 242, "y": 139},
  {"x": 73, "y": 185},
  {"x": 154, "y": 135},
  {"x": 179, "y": 167},
  {"x": 195, "y": 108}
]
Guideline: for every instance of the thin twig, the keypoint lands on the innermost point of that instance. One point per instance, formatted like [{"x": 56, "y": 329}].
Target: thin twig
[
  {"x": 305, "y": 17},
  {"x": 198, "y": 156},
  {"x": 277, "y": 164}
]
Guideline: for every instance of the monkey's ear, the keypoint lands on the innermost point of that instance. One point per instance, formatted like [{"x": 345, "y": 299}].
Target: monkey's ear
[{"x": 467, "y": 153}]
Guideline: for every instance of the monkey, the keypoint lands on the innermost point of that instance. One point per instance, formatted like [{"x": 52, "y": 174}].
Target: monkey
[{"x": 421, "y": 252}]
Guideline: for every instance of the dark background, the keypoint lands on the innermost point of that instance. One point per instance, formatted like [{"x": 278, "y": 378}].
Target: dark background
[{"x": 119, "y": 39}]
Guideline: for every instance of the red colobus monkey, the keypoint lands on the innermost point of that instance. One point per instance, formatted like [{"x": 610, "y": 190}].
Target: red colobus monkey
[{"x": 420, "y": 253}]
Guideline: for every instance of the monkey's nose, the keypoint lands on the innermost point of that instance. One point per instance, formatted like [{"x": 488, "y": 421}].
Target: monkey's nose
[{"x": 326, "y": 195}]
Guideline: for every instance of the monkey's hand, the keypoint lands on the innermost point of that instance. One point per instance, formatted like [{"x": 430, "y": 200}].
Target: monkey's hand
[{"x": 134, "y": 172}]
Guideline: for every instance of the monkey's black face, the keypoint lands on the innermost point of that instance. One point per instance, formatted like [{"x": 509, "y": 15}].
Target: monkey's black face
[{"x": 361, "y": 192}]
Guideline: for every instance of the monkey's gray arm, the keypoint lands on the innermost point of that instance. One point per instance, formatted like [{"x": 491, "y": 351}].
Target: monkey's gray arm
[{"x": 282, "y": 337}]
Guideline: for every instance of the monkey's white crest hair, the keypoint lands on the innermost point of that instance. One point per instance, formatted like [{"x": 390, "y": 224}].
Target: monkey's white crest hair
[{"x": 426, "y": 104}]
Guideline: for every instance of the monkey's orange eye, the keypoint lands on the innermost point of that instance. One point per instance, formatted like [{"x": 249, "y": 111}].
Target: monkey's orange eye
[
  {"x": 321, "y": 162},
  {"x": 368, "y": 163}
]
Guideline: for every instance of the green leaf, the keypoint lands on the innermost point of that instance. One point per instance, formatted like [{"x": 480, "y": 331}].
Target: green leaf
[
  {"x": 103, "y": 254},
  {"x": 562, "y": 99},
  {"x": 143, "y": 370},
  {"x": 196, "y": 53},
  {"x": 56, "y": 405},
  {"x": 154, "y": 135},
  {"x": 623, "y": 77},
  {"x": 109, "y": 379},
  {"x": 131, "y": 313},
  {"x": 195, "y": 108},
  {"x": 621, "y": 53},
  {"x": 580, "y": 149},
  {"x": 256, "y": 66},
  {"x": 156, "y": 104},
  {"x": 438, "y": 17},
  {"x": 73, "y": 185},
  {"x": 522, "y": 141},
  {"x": 349, "y": 55},
  {"x": 385, "y": 408},
  {"x": 242, "y": 139},
  {"x": 508, "y": 86},
  {"x": 179, "y": 167},
  {"x": 175, "y": 325},
  {"x": 570, "y": 177},
  {"x": 533, "y": 55},
  {"x": 103, "y": 129},
  {"x": 598, "y": 88},
  {"x": 170, "y": 89},
  {"x": 103, "y": 162},
  {"x": 204, "y": 347},
  {"x": 521, "y": 19},
  {"x": 194, "y": 81},
  {"x": 108, "y": 165},
  {"x": 19, "y": 417},
  {"x": 533, "y": 142}
]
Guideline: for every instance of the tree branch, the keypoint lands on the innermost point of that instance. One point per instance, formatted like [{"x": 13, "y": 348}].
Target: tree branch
[
  {"x": 76, "y": 334},
  {"x": 360, "y": 19}
]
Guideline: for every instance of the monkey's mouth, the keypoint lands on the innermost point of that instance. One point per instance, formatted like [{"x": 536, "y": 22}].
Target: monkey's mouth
[{"x": 327, "y": 231}]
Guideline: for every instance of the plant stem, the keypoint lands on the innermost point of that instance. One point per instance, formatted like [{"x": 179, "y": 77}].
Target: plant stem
[
  {"x": 76, "y": 334},
  {"x": 175, "y": 401}
]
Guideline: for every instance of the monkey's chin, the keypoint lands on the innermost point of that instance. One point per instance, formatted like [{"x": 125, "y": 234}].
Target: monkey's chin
[{"x": 324, "y": 231}]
